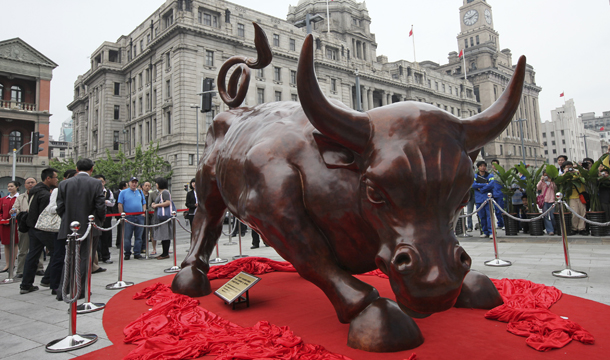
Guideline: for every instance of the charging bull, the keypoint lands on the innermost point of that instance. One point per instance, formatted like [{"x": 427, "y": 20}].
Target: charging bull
[{"x": 338, "y": 192}]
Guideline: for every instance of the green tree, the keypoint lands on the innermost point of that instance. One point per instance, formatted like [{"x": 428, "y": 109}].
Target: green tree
[{"x": 62, "y": 166}]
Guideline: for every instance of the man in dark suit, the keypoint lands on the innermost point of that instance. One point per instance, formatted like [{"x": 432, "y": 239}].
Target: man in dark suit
[{"x": 78, "y": 198}]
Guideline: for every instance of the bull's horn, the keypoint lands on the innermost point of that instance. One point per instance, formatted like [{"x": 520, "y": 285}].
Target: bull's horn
[
  {"x": 486, "y": 126},
  {"x": 348, "y": 127}
]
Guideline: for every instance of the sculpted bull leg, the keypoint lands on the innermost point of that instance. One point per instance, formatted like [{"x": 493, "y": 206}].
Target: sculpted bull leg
[
  {"x": 207, "y": 228},
  {"x": 377, "y": 324},
  {"x": 478, "y": 292}
]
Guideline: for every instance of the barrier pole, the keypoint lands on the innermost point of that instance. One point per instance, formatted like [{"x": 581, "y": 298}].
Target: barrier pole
[
  {"x": 567, "y": 272},
  {"x": 11, "y": 255},
  {"x": 497, "y": 261},
  {"x": 88, "y": 306},
  {"x": 174, "y": 268},
  {"x": 239, "y": 234},
  {"x": 218, "y": 259},
  {"x": 464, "y": 233},
  {"x": 231, "y": 230},
  {"x": 120, "y": 284},
  {"x": 73, "y": 341},
  {"x": 146, "y": 235}
]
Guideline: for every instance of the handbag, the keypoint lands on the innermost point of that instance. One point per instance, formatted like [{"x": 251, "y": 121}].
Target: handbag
[
  {"x": 581, "y": 195},
  {"x": 540, "y": 198},
  {"x": 163, "y": 213},
  {"x": 22, "y": 219},
  {"x": 48, "y": 220}
]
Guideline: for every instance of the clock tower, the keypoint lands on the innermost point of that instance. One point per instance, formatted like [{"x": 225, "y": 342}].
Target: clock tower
[{"x": 476, "y": 25}]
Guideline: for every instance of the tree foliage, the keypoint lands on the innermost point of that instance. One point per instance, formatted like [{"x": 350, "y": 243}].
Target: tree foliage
[{"x": 62, "y": 166}]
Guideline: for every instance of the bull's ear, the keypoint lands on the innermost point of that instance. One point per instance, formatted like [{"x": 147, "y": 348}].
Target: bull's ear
[{"x": 334, "y": 155}]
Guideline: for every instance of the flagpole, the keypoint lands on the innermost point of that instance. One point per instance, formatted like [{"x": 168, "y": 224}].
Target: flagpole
[
  {"x": 464, "y": 58},
  {"x": 413, "y": 34},
  {"x": 327, "y": 17}
]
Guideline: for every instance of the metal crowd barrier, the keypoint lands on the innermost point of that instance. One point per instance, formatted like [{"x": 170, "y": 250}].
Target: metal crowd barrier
[
  {"x": 10, "y": 262},
  {"x": 72, "y": 284},
  {"x": 88, "y": 306}
]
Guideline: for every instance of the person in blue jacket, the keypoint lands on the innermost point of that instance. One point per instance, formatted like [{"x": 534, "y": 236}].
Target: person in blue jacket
[
  {"x": 498, "y": 197},
  {"x": 482, "y": 186}
]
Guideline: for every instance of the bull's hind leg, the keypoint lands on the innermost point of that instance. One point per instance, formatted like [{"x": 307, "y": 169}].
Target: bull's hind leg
[
  {"x": 192, "y": 280},
  {"x": 377, "y": 324}
]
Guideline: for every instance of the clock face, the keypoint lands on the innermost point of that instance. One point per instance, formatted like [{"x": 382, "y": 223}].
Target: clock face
[
  {"x": 471, "y": 17},
  {"x": 488, "y": 16}
]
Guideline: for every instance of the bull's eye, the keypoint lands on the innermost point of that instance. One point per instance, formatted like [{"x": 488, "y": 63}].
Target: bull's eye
[{"x": 373, "y": 195}]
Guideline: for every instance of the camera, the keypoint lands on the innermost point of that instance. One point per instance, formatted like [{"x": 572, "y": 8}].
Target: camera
[{"x": 186, "y": 187}]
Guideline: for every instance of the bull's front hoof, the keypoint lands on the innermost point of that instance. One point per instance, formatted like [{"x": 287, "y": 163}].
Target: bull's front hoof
[
  {"x": 478, "y": 292},
  {"x": 383, "y": 327},
  {"x": 192, "y": 282}
]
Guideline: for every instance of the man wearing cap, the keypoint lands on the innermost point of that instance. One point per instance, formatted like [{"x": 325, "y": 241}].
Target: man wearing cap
[{"x": 132, "y": 200}]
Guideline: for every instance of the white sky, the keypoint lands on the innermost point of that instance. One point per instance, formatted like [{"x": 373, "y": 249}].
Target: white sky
[{"x": 567, "y": 42}]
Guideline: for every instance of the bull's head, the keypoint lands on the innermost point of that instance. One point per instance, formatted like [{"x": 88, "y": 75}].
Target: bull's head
[{"x": 415, "y": 167}]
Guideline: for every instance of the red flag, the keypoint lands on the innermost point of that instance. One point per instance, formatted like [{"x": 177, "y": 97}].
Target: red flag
[
  {"x": 461, "y": 53},
  {"x": 561, "y": 95},
  {"x": 411, "y": 32},
  {"x": 601, "y": 128}
]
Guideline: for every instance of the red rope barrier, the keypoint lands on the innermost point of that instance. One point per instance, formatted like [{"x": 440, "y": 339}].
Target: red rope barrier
[{"x": 5, "y": 222}]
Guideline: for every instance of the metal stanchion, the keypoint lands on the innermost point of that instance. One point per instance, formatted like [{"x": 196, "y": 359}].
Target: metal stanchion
[
  {"x": 146, "y": 234},
  {"x": 72, "y": 269},
  {"x": 464, "y": 234},
  {"x": 567, "y": 272},
  {"x": 88, "y": 306},
  {"x": 174, "y": 268},
  {"x": 492, "y": 218},
  {"x": 218, "y": 259},
  {"x": 240, "y": 254},
  {"x": 120, "y": 284},
  {"x": 10, "y": 262},
  {"x": 229, "y": 215}
]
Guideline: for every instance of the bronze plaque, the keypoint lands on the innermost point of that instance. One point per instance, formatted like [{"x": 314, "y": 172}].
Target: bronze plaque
[{"x": 235, "y": 287}]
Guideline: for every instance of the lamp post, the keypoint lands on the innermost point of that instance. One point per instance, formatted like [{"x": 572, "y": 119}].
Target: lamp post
[
  {"x": 308, "y": 20},
  {"x": 520, "y": 121},
  {"x": 196, "y": 107}
]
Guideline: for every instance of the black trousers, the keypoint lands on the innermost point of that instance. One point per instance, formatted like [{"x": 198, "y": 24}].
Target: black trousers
[
  {"x": 57, "y": 263},
  {"x": 119, "y": 230},
  {"x": 256, "y": 240},
  {"x": 103, "y": 252},
  {"x": 38, "y": 241}
]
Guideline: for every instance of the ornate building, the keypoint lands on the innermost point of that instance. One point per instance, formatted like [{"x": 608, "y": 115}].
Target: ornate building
[
  {"x": 25, "y": 85},
  {"x": 142, "y": 88}
]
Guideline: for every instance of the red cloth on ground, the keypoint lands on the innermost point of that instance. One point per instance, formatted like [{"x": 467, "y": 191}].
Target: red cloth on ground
[
  {"x": 6, "y": 204},
  {"x": 525, "y": 309},
  {"x": 177, "y": 328},
  {"x": 251, "y": 265}
]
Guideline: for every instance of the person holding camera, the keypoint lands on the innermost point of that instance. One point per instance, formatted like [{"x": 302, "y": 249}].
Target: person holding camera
[
  {"x": 548, "y": 189},
  {"x": 576, "y": 201}
]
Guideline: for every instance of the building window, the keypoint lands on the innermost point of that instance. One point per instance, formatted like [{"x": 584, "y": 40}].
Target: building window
[
  {"x": 140, "y": 79},
  {"x": 546, "y": 152},
  {"x": 260, "y": 73},
  {"x": 333, "y": 85},
  {"x": 191, "y": 159},
  {"x": 544, "y": 143},
  {"x": 564, "y": 150},
  {"x": 117, "y": 111},
  {"x": 553, "y": 142},
  {"x": 260, "y": 96},
  {"x": 147, "y": 101},
  {"x": 501, "y": 150},
  {"x": 241, "y": 30},
  {"x": 562, "y": 132},
  {"x": 147, "y": 79},
  {"x": 331, "y": 53},
  {"x": 443, "y": 87},
  {"x": 140, "y": 108},
  {"x": 155, "y": 98},
  {"x": 117, "y": 88},
  {"x": 294, "y": 97},
  {"x": 277, "y": 74},
  {"x": 477, "y": 39},
  {"x": 115, "y": 140},
  {"x": 208, "y": 19},
  {"x": 133, "y": 109},
  {"x": 278, "y": 96},
  {"x": 293, "y": 45},
  {"x": 168, "y": 122},
  {"x": 563, "y": 141},
  {"x": 168, "y": 19},
  {"x": 15, "y": 141},
  {"x": 209, "y": 58},
  {"x": 16, "y": 93},
  {"x": 293, "y": 77},
  {"x": 543, "y": 134},
  {"x": 142, "y": 45},
  {"x": 147, "y": 39},
  {"x": 471, "y": 42},
  {"x": 554, "y": 151},
  {"x": 168, "y": 60},
  {"x": 276, "y": 39},
  {"x": 436, "y": 85},
  {"x": 168, "y": 88}
]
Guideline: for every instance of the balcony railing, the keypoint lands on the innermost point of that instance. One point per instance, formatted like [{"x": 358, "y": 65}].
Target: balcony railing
[
  {"x": 16, "y": 105},
  {"x": 21, "y": 159}
]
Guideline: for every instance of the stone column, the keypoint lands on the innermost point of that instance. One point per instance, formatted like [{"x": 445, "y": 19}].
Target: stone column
[
  {"x": 384, "y": 98},
  {"x": 390, "y": 95},
  {"x": 365, "y": 98},
  {"x": 370, "y": 101}
]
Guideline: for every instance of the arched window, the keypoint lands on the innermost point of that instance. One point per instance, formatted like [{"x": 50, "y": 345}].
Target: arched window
[
  {"x": 16, "y": 93},
  {"x": 15, "y": 140}
]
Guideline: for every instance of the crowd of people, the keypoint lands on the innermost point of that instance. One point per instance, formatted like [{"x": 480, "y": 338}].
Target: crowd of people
[
  {"x": 45, "y": 210},
  {"x": 577, "y": 197}
]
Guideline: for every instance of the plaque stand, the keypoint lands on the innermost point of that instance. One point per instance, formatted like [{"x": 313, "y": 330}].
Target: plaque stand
[{"x": 241, "y": 300}]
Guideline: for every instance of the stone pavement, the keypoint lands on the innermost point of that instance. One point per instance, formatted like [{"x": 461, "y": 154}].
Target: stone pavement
[{"x": 28, "y": 322}]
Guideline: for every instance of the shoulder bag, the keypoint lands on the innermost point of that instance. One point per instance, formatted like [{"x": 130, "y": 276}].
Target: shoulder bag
[
  {"x": 22, "y": 219},
  {"x": 540, "y": 198},
  {"x": 164, "y": 213},
  {"x": 49, "y": 220}
]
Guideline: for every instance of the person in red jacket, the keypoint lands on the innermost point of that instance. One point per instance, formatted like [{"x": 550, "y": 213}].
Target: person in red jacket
[{"x": 6, "y": 204}]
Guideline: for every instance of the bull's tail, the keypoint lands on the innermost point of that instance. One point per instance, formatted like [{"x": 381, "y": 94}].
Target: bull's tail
[{"x": 234, "y": 96}]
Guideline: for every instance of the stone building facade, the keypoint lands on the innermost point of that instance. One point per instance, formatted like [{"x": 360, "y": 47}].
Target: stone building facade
[
  {"x": 25, "y": 94},
  {"x": 141, "y": 88}
]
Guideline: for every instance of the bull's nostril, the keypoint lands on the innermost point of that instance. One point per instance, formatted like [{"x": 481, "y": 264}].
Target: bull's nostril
[{"x": 403, "y": 262}]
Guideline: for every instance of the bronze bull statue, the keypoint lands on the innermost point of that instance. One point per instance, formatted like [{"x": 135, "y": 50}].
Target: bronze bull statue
[{"x": 338, "y": 192}]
